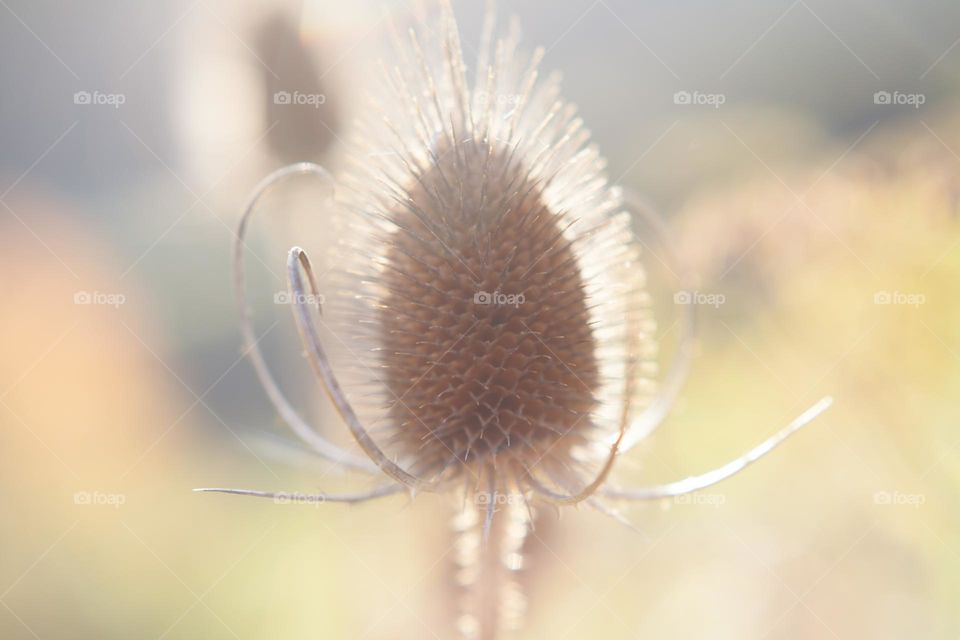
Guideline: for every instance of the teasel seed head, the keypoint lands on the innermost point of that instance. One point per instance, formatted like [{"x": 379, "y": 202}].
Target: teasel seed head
[{"x": 489, "y": 270}]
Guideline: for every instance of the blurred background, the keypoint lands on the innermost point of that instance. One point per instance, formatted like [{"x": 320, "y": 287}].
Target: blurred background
[{"x": 806, "y": 156}]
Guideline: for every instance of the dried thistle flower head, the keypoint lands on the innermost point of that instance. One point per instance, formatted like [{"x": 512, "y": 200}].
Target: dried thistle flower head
[
  {"x": 500, "y": 275},
  {"x": 489, "y": 273}
]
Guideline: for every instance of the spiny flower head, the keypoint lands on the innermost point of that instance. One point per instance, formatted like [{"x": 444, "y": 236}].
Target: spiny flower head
[{"x": 501, "y": 292}]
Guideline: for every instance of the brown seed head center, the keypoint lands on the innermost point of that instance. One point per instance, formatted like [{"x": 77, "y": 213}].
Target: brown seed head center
[{"x": 485, "y": 327}]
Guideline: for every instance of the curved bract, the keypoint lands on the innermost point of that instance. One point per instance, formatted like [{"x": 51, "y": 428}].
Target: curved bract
[
  {"x": 321, "y": 366},
  {"x": 251, "y": 347},
  {"x": 735, "y": 466}
]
